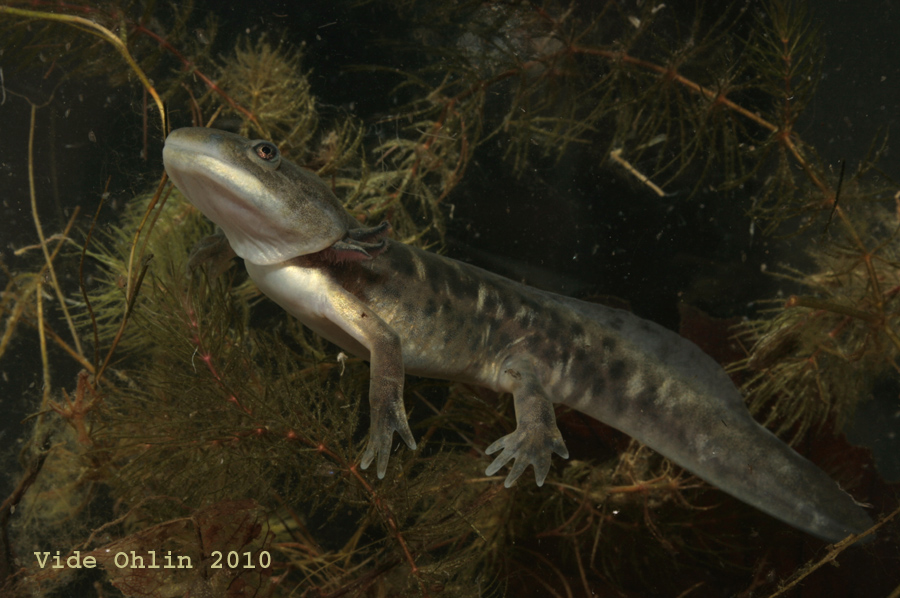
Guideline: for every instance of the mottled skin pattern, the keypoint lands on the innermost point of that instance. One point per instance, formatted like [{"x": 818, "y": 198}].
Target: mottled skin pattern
[{"x": 408, "y": 310}]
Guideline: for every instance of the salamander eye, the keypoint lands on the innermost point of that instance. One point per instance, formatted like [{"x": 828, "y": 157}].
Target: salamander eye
[{"x": 266, "y": 151}]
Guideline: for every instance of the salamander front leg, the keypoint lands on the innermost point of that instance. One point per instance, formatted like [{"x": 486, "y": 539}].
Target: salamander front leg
[
  {"x": 215, "y": 251},
  {"x": 386, "y": 413},
  {"x": 334, "y": 308},
  {"x": 536, "y": 437},
  {"x": 385, "y": 376}
]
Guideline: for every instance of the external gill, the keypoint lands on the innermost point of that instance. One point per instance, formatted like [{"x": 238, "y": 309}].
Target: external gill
[{"x": 359, "y": 244}]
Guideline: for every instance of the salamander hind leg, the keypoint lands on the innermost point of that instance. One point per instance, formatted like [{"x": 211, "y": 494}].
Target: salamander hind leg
[{"x": 536, "y": 436}]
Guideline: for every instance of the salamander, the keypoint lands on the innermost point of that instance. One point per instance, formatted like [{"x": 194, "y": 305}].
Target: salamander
[{"x": 406, "y": 310}]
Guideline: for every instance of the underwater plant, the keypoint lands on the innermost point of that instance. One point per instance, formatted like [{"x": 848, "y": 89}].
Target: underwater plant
[
  {"x": 206, "y": 422},
  {"x": 820, "y": 353}
]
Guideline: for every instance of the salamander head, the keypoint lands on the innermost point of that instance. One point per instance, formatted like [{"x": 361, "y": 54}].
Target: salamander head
[{"x": 270, "y": 209}]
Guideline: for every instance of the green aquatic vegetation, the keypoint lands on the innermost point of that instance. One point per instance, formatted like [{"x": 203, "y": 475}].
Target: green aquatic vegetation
[
  {"x": 817, "y": 357},
  {"x": 276, "y": 100},
  {"x": 657, "y": 97},
  {"x": 82, "y": 35},
  {"x": 270, "y": 83}
]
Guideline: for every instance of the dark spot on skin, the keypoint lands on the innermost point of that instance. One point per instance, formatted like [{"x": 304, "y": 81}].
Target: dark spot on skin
[
  {"x": 576, "y": 330},
  {"x": 503, "y": 339},
  {"x": 546, "y": 417},
  {"x": 475, "y": 335},
  {"x": 436, "y": 280},
  {"x": 508, "y": 307},
  {"x": 599, "y": 386},
  {"x": 533, "y": 343},
  {"x": 391, "y": 291},
  {"x": 553, "y": 321},
  {"x": 430, "y": 308},
  {"x": 551, "y": 353},
  {"x": 461, "y": 285},
  {"x": 490, "y": 304},
  {"x": 402, "y": 263},
  {"x": 513, "y": 373},
  {"x": 551, "y": 335},
  {"x": 681, "y": 433},
  {"x": 608, "y": 344},
  {"x": 617, "y": 370},
  {"x": 645, "y": 401},
  {"x": 579, "y": 354}
]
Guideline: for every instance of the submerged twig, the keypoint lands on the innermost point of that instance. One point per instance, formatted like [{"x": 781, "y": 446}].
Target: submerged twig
[
  {"x": 103, "y": 33},
  {"x": 833, "y": 552}
]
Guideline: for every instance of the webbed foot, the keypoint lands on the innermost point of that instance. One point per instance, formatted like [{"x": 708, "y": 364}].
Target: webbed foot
[
  {"x": 213, "y": 251},
  {"x": 386, "y": 419},
  {"x": 529, "y": 444}
]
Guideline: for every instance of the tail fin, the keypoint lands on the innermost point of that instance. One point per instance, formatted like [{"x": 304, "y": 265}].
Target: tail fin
[{"x": 728, "y": 449}]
